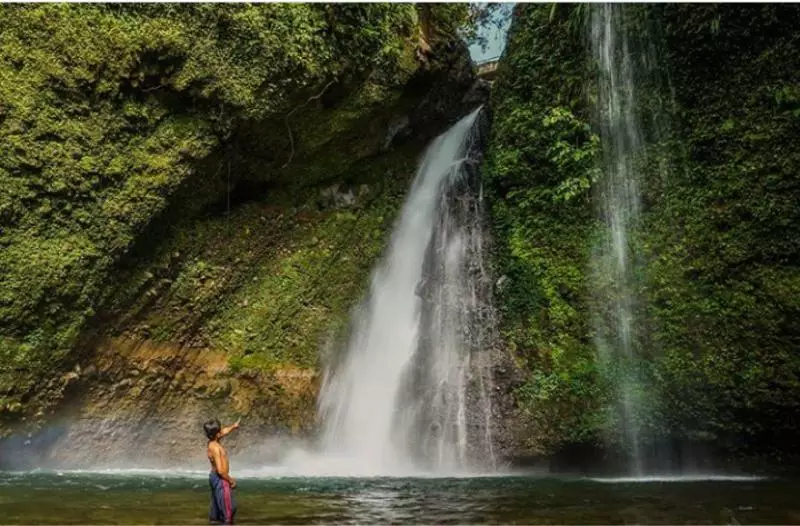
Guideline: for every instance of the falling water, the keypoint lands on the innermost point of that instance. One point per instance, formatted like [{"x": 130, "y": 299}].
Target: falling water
[
  {"x": 615, "y": 262},
  {"x": 410, "y": 393}
]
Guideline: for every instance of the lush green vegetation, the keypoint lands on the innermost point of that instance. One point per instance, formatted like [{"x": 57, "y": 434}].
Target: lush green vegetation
[
  {"x": 541, "y": 163},
  {"x": 719, "y": 238},
  {"x": 120, "y": 124},
  {"x": 284, "y": 282},
  {"x": 723, "y": 232}
]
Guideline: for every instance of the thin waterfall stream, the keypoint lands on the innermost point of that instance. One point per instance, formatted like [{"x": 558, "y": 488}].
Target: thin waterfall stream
[{"x": 616, "y": 262}]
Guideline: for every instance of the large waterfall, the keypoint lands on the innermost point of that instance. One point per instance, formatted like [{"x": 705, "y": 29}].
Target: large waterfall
[
  {"x": 615, "y": 262},
  {"x": 411, "y": 392}
]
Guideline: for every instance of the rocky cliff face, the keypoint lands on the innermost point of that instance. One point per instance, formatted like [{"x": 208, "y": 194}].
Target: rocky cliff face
[
  {"x": 139, "y": 403},
  {"x": 220, "y": 217}
]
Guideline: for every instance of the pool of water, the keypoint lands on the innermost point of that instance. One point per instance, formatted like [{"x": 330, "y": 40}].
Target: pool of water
[{"x": 142, "y": 497}]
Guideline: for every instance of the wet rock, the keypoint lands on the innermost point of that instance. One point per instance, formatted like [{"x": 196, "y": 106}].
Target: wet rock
[
  {"x": 69, "y": 378},
  {"x": 332, "y": 196},
  {"x": 479, "y": 93},
  {"x": 398, "y": 127}
]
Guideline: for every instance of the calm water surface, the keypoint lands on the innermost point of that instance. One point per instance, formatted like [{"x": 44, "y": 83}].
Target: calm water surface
[{"x": 81, "y": 498}]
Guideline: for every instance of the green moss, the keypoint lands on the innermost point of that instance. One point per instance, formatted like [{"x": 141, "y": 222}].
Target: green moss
[
  {"x": 719, "y": 235},
  {"x": 723, "y": 238},
  {"x": 540, "y": 166},
  {"x": 109, "y": 114},
  {"x": 270, "y": 282},
  {"x": 306, "y": 292}
]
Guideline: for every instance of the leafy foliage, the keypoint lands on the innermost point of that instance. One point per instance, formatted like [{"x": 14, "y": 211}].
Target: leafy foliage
[
  {"x": 285, "y": 281},
  {"x": 722, "y": 235},
  {"x": 719, "y": 235},
  {"x": 541, "y": 163},
  {"x": 108, "y": 112}
]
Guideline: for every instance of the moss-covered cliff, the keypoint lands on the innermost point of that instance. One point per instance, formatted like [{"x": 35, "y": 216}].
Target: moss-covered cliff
[
  {"x": 723, "y": 234},
  {"x": 540, "y": 165},
  {"x": 210, "y": 177},
  {"x": 718, "y": 240}
]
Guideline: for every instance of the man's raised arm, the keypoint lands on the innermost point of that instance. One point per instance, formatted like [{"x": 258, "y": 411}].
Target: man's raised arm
[{"x": 227, "y": 430}]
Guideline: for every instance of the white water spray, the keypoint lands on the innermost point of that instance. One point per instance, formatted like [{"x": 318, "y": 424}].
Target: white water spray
[{"x": 403, "y": 396}]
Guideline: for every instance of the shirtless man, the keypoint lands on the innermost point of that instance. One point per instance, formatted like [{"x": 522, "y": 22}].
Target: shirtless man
[{"x": 223, "y": 506}]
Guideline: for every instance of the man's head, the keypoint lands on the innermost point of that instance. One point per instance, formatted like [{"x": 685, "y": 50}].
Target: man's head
[{"x": 212, "y": 428}]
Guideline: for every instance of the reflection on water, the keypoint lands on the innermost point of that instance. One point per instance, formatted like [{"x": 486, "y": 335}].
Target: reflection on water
[{"x": 182, "y": 498}]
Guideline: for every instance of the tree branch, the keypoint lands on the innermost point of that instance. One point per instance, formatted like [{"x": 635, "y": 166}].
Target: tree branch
[{"x": 288, "y": 115}]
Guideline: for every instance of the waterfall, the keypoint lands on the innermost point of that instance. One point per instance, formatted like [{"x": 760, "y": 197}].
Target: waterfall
[
  {"x": 614, "y": 261},
  {"x": 411, "y": 392}
]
